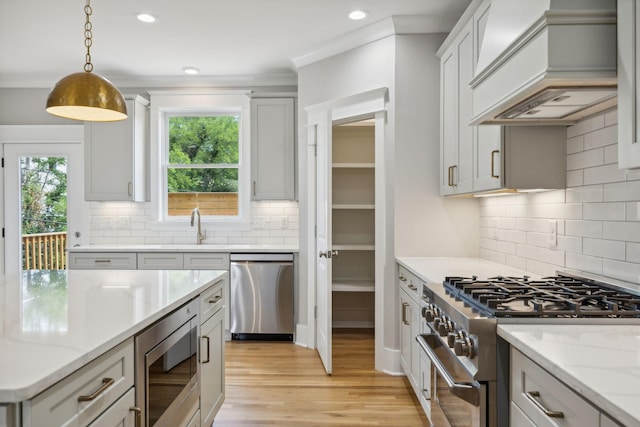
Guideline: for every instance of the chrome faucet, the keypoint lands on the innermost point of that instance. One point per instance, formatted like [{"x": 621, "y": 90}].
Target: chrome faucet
[{"x": 200, "y": 236}]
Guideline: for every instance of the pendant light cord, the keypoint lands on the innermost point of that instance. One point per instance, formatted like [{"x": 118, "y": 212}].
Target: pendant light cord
[{"x": 88, "y": 37}]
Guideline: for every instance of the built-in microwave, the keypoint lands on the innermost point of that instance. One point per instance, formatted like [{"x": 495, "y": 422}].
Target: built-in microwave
[{"x": 167, "y": 369}]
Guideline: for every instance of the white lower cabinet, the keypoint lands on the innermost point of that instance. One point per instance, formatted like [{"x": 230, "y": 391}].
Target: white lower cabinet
[
  {"x": 119, "y": 414},
  {"x": 212, "y": 352},
  {"x": 195, "y": 420},
  {"x": 83, "y": 396},
  {"x": 414, "y": 361},
  {"x": 539, "y": 399},
  {"x": 102, "y": 261},
  {"x": 160, "y": 261}
]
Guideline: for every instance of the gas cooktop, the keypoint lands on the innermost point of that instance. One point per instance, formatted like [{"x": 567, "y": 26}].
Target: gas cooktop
[{"x": 549, "y": 297}]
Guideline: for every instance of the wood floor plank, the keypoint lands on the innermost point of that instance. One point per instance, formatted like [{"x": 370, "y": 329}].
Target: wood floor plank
[{"x": 274, "y": 383}]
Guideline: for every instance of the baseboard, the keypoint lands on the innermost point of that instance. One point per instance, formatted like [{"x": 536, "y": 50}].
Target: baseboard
[
  {"x": 302, "y": 337},
  {"x": 353, "y": 324},
  {"x": 389, "y": 362}
]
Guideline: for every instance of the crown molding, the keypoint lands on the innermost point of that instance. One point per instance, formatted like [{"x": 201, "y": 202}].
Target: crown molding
[{"x": 394, "y": 25}]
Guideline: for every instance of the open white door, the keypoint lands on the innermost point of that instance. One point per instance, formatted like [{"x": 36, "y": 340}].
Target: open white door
[{"x": 323, "y": 243}]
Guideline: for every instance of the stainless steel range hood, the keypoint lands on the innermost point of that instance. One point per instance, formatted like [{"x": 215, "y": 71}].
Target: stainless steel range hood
[{"x": 545, "y": 61}]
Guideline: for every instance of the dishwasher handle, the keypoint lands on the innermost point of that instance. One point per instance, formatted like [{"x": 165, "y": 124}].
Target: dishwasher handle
[{"x": 261, "y": 257}]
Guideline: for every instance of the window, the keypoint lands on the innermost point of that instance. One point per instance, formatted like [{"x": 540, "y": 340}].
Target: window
[
  {"x": 201, "y": 158},
  {"x": 203, "y": 164}
]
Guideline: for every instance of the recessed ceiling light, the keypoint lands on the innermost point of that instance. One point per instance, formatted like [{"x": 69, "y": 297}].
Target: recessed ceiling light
[
  {"x": 145, "y": 17},
  {"x": 357, "y": 15},
  {"x": 190, "y": 70}
]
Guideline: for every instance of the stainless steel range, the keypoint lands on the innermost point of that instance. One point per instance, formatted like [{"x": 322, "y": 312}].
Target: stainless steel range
[{"x": 470, "y": 374}]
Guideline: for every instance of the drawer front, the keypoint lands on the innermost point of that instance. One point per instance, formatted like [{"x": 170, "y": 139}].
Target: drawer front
[
  {"x": 63, "y": 404},
  {"x": 410, "y": 283},
  {"x": 212, "y": 300},
  {"x": 102, "y": 261},
  {"x": 206, "y": 261},
  {"x": 533, "y": 390},
  {"x": 119, "y": 414},
  {"x": 160, "y": 261}
]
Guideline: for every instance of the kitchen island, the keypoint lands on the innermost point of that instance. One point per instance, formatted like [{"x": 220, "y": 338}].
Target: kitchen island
[{"x": 53, "y": 323}]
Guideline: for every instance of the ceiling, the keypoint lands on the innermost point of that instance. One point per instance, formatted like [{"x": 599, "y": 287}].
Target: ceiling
[{"x": 228, "y": 40}]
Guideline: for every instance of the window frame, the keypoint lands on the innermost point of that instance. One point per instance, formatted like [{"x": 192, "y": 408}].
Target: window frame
[{"x": 200, "y": 103}]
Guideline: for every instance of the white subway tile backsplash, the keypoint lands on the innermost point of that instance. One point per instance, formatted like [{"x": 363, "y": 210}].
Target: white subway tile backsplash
[
  {"x": 589, "y": 125},
  {"x": 604, "y": 248},
  {"x": 603, "y": 174},
  {"x": 589, "y": 193},
  {"x": 611, "y": 117},
  {"x": 597, "y": 216},
  {"x": 622, "y": 191},
  {"x": 589, "y": 264},
  {"x": 626, "y": 271},
  {"x": 604, "y": 211},
  {"x": 601, "y": 137},
  {"x": 133, "y": 223},
  {"x": 591, "y": 229},
  {"x": 623, "y": 231},
  {"x": 575, "y": 144},
  {"x": 585, "y": 159},
  {"x": 633, "y": 252},
  {"x": 575, "y": 178}
]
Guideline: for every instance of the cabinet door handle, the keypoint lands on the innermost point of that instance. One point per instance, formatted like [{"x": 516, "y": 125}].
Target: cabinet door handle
[
  {"x": 493, "y": 165},
  {"x": 413, "y": 288},
  {"x": 102, "y": 261},
  {"x": 404, "y": 313},
  {"x": 402, "y": 278},
  {"x": 454, "y": 180},
  {"x": 208, "y": 349},
  {"x": 449, "y": 183},
  {"x": 215, "y": 299},
  {"x": 138, "y": 413},
  {"x": 254, "y": 188},
  {"x": 129, "y": 188},
  {"x": 533, "y": 395},
  {"x": 106, "y": 383}
]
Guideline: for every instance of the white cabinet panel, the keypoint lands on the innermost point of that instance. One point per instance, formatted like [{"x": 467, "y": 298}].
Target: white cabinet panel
[
  {"x": 544, "y": 399},
  {"x": 65, "y": 403},
  {"x": 102, "y": 261},
  {"x": 628, "y": 78},
  {"x": 116, "y": 155},
  {"x": 273, "y": 148},
  {"x": 212, "y": 358},
  {"x": 119, "y": 414},
  {"x": 160, "y": 261}
]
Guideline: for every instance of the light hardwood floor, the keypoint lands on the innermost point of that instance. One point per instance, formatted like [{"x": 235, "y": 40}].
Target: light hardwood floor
[{"x": 282, "y": 384}]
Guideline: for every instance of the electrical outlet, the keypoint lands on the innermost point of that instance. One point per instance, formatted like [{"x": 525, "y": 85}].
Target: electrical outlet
[
  {"x": 553, "y": 233},
  {"x": 284, "y": 224}
]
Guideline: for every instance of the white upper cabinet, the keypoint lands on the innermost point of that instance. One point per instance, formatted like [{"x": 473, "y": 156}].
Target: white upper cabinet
[
  {"x": 116, "y": 155},
  {"x": 628, "y": 69},
  {"x": 273, "y": 148},
  {"x": 456, "y": 136},
  {"x": 520, "y": 158},
  {"x": 487, "y": 158}
]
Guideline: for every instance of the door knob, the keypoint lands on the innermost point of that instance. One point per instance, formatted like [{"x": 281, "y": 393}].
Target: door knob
[{"x": 328, "y": 254}]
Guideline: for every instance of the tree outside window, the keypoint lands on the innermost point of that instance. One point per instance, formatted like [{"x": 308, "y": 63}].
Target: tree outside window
[{"x": 203, "y": 165}]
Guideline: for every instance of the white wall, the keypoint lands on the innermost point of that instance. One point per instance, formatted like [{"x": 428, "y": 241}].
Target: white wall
[{"x": 598, "y": 215}]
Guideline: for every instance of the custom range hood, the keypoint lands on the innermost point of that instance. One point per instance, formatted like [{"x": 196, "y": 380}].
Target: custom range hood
[{"x": 544, "y": 61}]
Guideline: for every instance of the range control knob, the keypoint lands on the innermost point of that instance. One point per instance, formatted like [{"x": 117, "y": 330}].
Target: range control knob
[
  {"x": 451, "y": 339},
  {"x": 444, "y": 327},
  {"x": 436, "y": 323},
  {"x": 464, "y": 347},
  {"x": 427, "y": 313}
]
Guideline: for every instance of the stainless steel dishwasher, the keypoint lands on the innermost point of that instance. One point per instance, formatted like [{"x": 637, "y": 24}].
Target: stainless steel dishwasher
[{"x": 261, "y": 303}]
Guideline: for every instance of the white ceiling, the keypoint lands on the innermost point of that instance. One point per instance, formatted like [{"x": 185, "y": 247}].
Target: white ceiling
[{"x": 234, "y": 40}]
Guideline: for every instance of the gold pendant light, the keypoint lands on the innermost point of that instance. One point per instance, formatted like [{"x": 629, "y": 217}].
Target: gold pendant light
[{"x": 87, "y": 96}]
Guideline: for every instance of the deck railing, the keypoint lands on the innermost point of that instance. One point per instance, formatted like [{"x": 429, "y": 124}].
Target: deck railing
[{"x": 44, "y": 251}]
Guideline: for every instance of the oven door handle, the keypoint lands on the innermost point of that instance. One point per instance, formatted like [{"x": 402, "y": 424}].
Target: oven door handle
[{"x": 467, "y": 391}]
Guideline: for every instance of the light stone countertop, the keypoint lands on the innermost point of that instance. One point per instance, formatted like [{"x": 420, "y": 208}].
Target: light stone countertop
[
  {"x": 233, "y": 248},
  {"x": 434, "y": 269},
  {"x": 599, "y": 362},
  {"x": 54, "y": 322}
]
